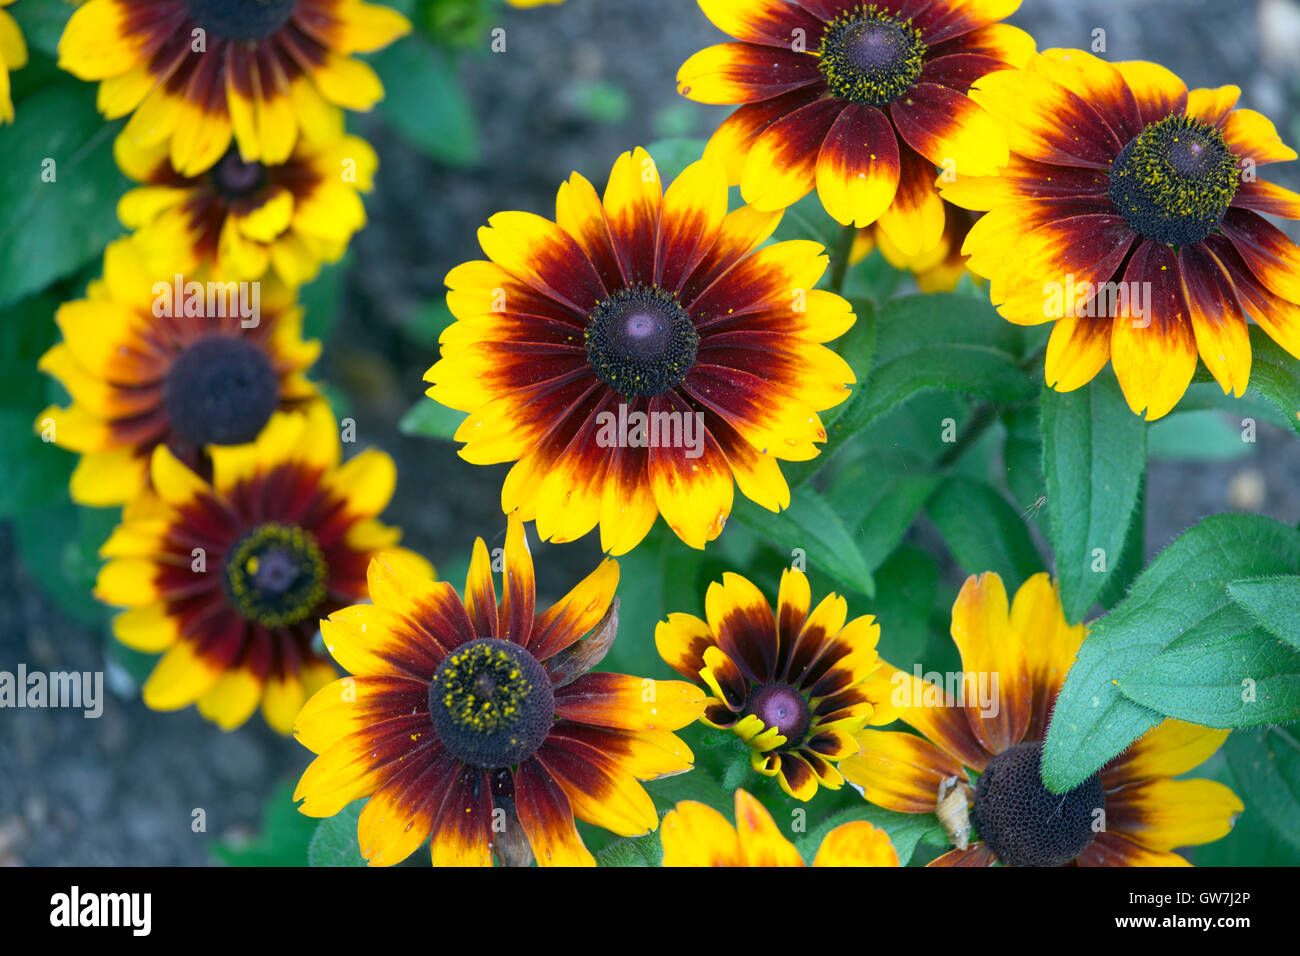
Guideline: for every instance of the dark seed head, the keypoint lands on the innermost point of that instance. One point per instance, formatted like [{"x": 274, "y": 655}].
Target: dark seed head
[
  {"x": 640, "y": 341},
  {"x": 1026, "y": 824},
  {"x": 220, "y": 390},
  {"x": 782, "y": 707},
  {"x": 236, "y": 179},
  {"x": 870, "y": 57},
  {"x": 241, "y": 19},
  {"x": 275, "y": 575}
]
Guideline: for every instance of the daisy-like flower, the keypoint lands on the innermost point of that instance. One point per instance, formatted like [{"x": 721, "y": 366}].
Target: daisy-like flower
[
  {"x": 1130, "y": 214},
  {"x": 242, "y": 218},
  {"x": 639, "y": 353},
  {"x": 794, "y": 686},
  {"x": 198, "y": 73},
  {"x": 230, "y": 578},
  {"x": 13, "y": 55},
  {"x": 477, "y": 726},
  {"x": 1014, "y": 661},
  {"x": 862, "y": 101},
  {"x": 188, "y": 381},
  {"x": 938, "y": 270},
  {"x": 697, "y": 835}
]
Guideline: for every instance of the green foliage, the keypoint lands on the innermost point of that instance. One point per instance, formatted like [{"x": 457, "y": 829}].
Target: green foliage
[
  {"x": 425, "y": 102},
  {"x": 283, "y": 839},
  {"x": 335, "y": 841},
  {"x": 905, "y": 829},
  {"x": 983, "y": 531}
]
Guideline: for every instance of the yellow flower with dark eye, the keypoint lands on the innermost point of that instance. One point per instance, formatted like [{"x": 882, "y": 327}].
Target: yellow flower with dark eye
[
  {"x": 242, "y": 218},
  {"x": 794, "y": 686},
  {"x": 1130, "y": 214},
  {"x": 861, "y": 101},
  {"x": 639, "y": 355},
  {"x": 476, "y": 725},
  {"x": 189, "y": 378},
  {"x": 1014, "y": 661},
  {"x": 229, "y": 578},
  {"x": 697, "y": 835},
  {"x": 199, "y": 73},
  {"x": 938, "y": 270},
  {"x": 13, "y": 55}
]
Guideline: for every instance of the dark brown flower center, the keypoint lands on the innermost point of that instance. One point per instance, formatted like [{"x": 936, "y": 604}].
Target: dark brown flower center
[
  {"x": 782, "y": 707},
  {"x": 1026, "y": 824},
  {"x": 1174, "y": 181},
  {"x": 241, "y": 19},
  {"x": 491, "y": 703},
  {"x": 235, "y": 179},
  {"x": 220, "y": 390},
  {"x": 871, "y": 57},
  {"x": 275, "y": 575},
  {"x": 640, "y": 341}
]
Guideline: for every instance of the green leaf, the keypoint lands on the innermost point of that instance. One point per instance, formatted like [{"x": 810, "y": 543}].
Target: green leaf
[
  {"x": 335, "y": 840},
  {"x": 1226, "y": 680},
  {"x": 983, "y": 531},
  {"x": 673, "y": 155},
  {"x": 737, "y": 771},
  {"x": 1022, "y": 457},
  {"x": 905, "y": 829},
  {"x": 644, "y": 850},
  {"x": 424, "y": 102},
  {"x": 695, "y": 785},
  {"x": 283, "y": 840},
  {"x": 320, "y": 300},
  {"x": 1266, "y": 765},
  {"x": 1200, "y": 435},
  {"x": 431, "y": 419},
  {"x": 1185, "y": 585},
  {"x": 881, "y": 511},
  {"x": 1094, "y": 457},
  {"x": 1274, "y": 376},
  {"x": 1272, "y": 601},
  {"x": 42, "y": 24},
  {"x": 811, "y": 524},
  {"x": 50, "y": 229}
]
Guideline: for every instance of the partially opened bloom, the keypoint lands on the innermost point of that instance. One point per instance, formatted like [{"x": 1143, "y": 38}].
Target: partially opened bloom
[
  {"x": 794, "y": 685},
  {"x": 1130, "y": 214},
  {"x": 860, "y": 101},
  {"x": 229, "y": 578},
  {"x": 13, "y": 55},
  {"x": 242, "y": 218},
  {"x": 145, "y": 367},
  {"x": 938, "y": 270},
  {"x": 694, "y": 834},
  {"x": 476, "y": 725},
  {"x": 640, "y": 354},
  {"x": 1014, "y": 662},
  {"x": 201, "y": 73}
]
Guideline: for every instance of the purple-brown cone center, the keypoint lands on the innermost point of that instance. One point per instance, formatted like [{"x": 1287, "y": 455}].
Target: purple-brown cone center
[
  {"x": 782, "y": 707},
  {"x": 870, "y": 57},
  {"x": 241, "y": 19},
  {"x": 640, "y": 341},
  {"x": 220, "y": 390}
]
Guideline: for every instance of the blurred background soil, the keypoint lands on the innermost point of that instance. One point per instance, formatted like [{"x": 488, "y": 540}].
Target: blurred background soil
[{"x": 577, "y": 85}]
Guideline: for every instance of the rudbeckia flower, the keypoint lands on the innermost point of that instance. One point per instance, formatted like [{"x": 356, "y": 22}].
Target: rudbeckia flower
[
  {"x": 199, "y": 73},
  {"x": 938, "y": 270},
  {"x": 188, "y": 381},
  {"x": 1014, "y": 661},
  {"x": 476, "y": 725},
  {"x": 638, "y": 354},
  {"x": 794, "y": 686},
  {"x": 13, "y": 54},
  {"x": 861, "y": 101},
  {"x": 229, "y": 578},
  {"x": 1130, "y": 214},
  {"x": 697, "y": 835},
  {"x": 242, "y": 218}
]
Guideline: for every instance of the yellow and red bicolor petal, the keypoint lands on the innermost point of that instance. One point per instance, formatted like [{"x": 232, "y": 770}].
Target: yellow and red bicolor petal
[
  {"x": 847, "y": 659},
  {"x": 693, "y": 210},
  {"x": 934, "y": 712},
  {"x": 781, "y": 167},
  {"x": 480, "y": 593},
  {"x": 354, "y": 705},
  {"x": 1077, "y": 350},
  {"x": 547, "y": 818},
  {"x": 745, "y": 73},
  {"x": 1163, "y": 814},
  {"x": 900, "y": 771},
  {"x": 761, "y": 842},
  {"x": 1212, "y": 106},
  {"x": 945, "y": 20},
  {"x": 744, "y": 627},
  {"x": 462, "y": 831},
  {"x": 518, "y": 601},
  {"x": 724, "y": 678},
  {"x": 432, "y": 607},
  {"x": 358, "y": 764},
  {"x": 1275, "y": 315},
  {"x": 1274, "y": 200},
  {"x": 681, "y": 641},
  {"x": 541, "y": 254},
  {"x": 571, "y": 617},
  {"x": 697, "y": 835},
  {"x": 1251, "y": 135},
  {"x": 1024, "y": 178},
  {"x": 743, "y": 231},
  {"x": 632, "y": 201},
  {"x": 914, "y": 221},
  {"x": 1169, "y": 749},
  {"x": 793, "y": 602},
  {"x": 1009, "y": 45},
  {"x": 730, "y": 142},
  {"x": 1159, "y": 92},
  {"x": 977, "y": 855},
  {"x": 1154, "y": 355},
  {"x": 600, "y": 788},
  {"x": 627, "y": 509},
  {"x": 399, "y": 816},
  {"x": 1050, "y": 644},
  {"x": 819, "y": 628},
  {"x": 758, "y": 476},
  {"x": 857, "y": 167},
  {"x": 578, "y": 211},
  {"x": 1044, "y": 121},
  {"x": 950, "y": 129},
  {"x": 693, "y": 493},
  {"x": 1098, "y": 83},
  {"x": 1116, "y": 849},
  {"x": 1271, "y": 256},
  {"x": 992, "y": 651},
  {"x": 768, "y": 22},
  {"x": 629, "y": 703},
  {"x": 374, "y": 641},
  {"x": 1221, "y": 327},
  {"x": 856, "y": 844}
]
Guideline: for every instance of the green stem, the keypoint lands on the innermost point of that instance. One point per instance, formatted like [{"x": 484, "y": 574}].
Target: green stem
[
  {"x": 984, "y": 416},
  {"x": 840, "y": 257}
]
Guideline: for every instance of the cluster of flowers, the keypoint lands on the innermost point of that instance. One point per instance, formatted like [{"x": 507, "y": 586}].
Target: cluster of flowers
[{"x": 475, "y": 722}]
